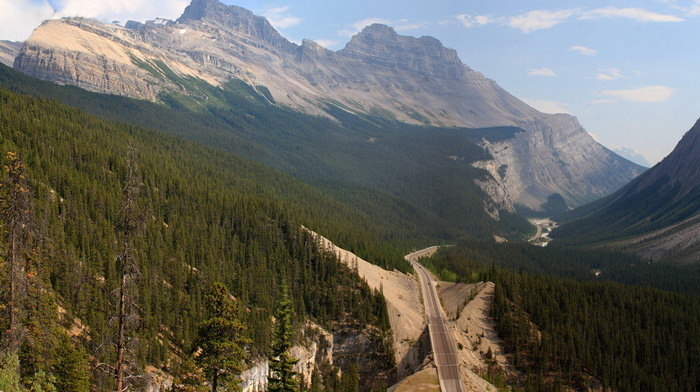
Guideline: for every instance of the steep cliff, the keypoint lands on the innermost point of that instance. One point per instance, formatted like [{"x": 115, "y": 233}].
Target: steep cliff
[
  {"x": 554, "y": 154},
  {"x": 378, "y": 73}
]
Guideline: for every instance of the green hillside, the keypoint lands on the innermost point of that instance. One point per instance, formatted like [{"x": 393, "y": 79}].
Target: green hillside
[
  {"x": 209, "y": 217},
  {"x": 568, "y": 323},
  {"x": 415, "y": 182}
]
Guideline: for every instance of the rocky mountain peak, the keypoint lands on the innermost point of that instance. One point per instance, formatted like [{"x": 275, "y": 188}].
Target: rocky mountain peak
[
  {"x": 234, "y": 18},
  {"x": 377, "y": 31},
  {"x": 382, "y": 46},
  {"x": 200, "y": 9}
]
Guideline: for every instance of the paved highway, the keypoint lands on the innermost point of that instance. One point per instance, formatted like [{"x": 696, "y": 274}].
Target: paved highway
[{"x": 441, "y": 339}]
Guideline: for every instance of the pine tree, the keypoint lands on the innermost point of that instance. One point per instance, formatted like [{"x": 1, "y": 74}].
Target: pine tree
[
  {"x": 282, "y": 377},
  {"x": 71, "y": 367},
  {"x": 221, "y": 340},
  {"x": 9, "y": 377}
]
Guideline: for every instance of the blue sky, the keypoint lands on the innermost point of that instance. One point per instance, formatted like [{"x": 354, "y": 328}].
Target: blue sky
[{"x": 626, "y": 69}]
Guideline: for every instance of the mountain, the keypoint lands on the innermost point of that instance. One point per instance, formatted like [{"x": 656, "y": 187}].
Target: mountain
[
  {"x": 378, "y": 171},
  {"x": 379, "y": 74},
  {"x": 632, "y": 155},
  {"x": 656, "y": 215},
  {"x": 8, "y": 52}
]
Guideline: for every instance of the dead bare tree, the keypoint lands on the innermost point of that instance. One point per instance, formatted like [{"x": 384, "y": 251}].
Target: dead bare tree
[{"x": 128, "y": 317}]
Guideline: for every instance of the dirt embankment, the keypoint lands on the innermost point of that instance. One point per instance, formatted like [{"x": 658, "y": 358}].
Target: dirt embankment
[
  {"x": 468, "y": 307},
  {"x": 403, "y": 298}
]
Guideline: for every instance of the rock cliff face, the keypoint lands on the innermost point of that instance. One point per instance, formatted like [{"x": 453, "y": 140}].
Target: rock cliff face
[
  {"x": 413, "y": 80},
  {"x": 554, "y": 155},
  {"x": 8, "y": 52}
]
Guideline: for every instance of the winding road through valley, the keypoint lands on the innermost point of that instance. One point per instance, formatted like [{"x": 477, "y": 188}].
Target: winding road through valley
[{"x": 441, "y": 339}]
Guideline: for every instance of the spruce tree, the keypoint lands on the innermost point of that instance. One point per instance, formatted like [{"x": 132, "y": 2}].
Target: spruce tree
[
  {"x": 71, "y": 367},
  {"x": 221, "y": 340},
  {"x": 9, "y": 377},
  {"x": 282, "y": 377}
]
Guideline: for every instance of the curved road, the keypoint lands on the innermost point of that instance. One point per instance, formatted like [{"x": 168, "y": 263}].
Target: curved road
[{"x": 441, "y": 339}]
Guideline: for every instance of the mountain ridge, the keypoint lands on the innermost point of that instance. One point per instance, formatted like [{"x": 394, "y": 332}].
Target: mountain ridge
[
  {"x": 379, "y": 73},
  {"x": 655, "y": 215},
  {"x": 8, "y": 52}
]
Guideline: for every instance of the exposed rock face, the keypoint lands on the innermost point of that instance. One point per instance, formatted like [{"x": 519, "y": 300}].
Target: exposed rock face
[
  {"x": 413, "y": 80},
  {"x": 316, "y": 349},
  {"x": 554, "y": 155},
  {"x": 8, "y": 52}
]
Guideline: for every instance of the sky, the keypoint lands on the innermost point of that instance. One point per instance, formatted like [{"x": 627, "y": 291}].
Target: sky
[{"x": 626, "y": 69}]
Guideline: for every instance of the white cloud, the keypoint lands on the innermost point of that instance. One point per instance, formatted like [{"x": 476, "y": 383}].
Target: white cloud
[
  {"x": 609, "y": 74},
  {"x": 636, "y": 14},
  {"x": 18, "y": 18},
  {"x": 539, "y": 20},
  {"x": 122, "y": 10},
  {"x": 584, "y": 50},
  {"x": 474, "y": 20},
  {"x": 541, "y": 72},
  {"x": 690, "y": 10},
  {"x": 545, "y": 106},
  {"x": 279, "y": 18},
  {"x": 405, "y": 26},
  {"x": 643, "y": 94},
  {"x": 545, "y": 19},
  {"x": 693, "y": 10}
]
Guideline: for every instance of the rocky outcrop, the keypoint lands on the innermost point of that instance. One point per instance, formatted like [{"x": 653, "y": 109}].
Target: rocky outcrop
[
  {"x": 554, "y": 155},
  {"x": 315, "y": 349},
  {"x": 379, "y": 73},
  {"x": 8, "y": 52},
  {"x": 219, "y": 16}
]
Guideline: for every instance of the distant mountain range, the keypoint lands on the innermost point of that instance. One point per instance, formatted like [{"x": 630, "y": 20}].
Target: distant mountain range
[
  {"x": 8, "y": 52},
  {"x": 379, "y": 74},
  {"x": 656, "y": 215},
  {"x": 632, "y": 155}
]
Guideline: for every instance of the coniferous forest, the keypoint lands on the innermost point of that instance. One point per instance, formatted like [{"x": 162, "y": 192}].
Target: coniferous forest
[
  {"x": 568, "y": 322},
  {"x": 121, "y": 235}
]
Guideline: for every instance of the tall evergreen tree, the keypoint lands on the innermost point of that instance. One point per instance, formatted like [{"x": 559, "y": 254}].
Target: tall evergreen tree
[
  {"x": 282, "y": 377},
  {"x": 9, "y": 377},
  {"x": 71, "y": 367},
  {"x": 221, "y": 340}
]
